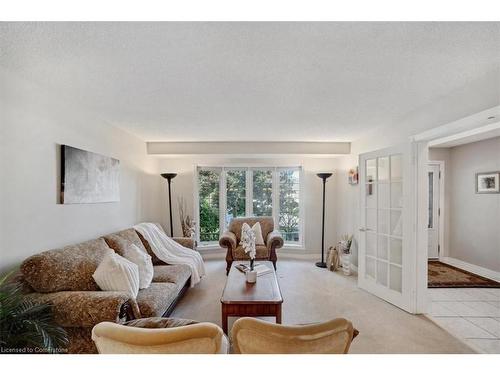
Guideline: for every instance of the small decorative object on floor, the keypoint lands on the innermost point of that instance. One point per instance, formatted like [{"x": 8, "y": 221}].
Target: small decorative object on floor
[
  {"x": 344, "y": 247},
  {"x": 248, "y": 243},
  {"x": 333, "y": 259},
  {"x": 187, "y": 223}
]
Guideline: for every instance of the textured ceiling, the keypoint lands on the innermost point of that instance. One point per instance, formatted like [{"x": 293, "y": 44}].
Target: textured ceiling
[{"x": 251, "y": 81}]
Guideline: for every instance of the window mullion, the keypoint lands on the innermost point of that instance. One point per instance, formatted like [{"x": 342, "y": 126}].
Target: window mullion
[
  {"x": 249, "y": 193},
  {"x": 222, "y": 201},
  {"x": 276, "y": 197}
]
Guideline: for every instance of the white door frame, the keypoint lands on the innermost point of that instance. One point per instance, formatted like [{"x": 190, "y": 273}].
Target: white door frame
[
  {"x": 479, "y": 123},
  {"x": 441, "y": 207}
]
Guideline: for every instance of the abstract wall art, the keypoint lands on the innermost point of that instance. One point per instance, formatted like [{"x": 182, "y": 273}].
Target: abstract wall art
[{"x": 87, "y": 177}]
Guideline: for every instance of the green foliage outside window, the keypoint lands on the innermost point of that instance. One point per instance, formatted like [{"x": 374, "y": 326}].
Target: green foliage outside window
[
  {"x": 262, "y": 203},
  {"x": 289, "y": 205}
]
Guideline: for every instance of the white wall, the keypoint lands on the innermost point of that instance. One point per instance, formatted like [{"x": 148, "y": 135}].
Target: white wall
[
  {"x": 474, "y": 220},
  {"x": 183, "y": 185},
  {"x": 478, "y": 95},
  {"x": 34, "y": 122}
]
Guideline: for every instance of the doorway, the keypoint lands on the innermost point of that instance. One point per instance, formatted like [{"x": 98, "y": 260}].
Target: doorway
[{"x": 463, "y": 276}]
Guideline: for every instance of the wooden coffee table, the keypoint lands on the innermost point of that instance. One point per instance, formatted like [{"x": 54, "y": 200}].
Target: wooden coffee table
[{"x": 240, "y": 298}]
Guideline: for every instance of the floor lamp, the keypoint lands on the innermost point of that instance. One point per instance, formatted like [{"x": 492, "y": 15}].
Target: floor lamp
[
  {"x": 322, "y": 264},
  {"x": 169, "y": 177}
]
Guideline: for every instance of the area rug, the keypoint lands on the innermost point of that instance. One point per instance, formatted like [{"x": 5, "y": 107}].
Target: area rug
[{"x": 441, "y": 275}]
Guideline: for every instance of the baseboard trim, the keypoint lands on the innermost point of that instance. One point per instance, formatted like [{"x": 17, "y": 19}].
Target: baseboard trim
[{"x": 478, "y": 270}]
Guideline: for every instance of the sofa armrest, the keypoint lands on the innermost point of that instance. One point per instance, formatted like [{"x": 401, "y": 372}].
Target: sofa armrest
[
  {"x": 228, "y": 240},
  {"x": 185, "y": 241},
  {"x": 87, "y": 308},
  {"x": 274, "y": 240}
]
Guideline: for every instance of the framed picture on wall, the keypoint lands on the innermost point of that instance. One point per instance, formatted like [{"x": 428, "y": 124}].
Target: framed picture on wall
[{"x": 487, "y": 182}]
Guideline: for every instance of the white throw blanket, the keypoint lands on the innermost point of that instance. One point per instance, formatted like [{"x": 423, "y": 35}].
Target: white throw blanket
[{"x": 171, "y": 252}]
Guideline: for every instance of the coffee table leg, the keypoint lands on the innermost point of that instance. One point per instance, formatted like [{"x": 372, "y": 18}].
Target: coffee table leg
[
  {"x": 278, "y": 315},
  {"x": 224, "y": 319}
]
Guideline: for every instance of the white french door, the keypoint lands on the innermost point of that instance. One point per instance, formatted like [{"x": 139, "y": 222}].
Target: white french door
[{"x": 386, "y": 258}]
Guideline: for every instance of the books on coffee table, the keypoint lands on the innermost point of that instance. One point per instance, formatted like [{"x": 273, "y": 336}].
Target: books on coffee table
[{"x": 260, "y": 268}]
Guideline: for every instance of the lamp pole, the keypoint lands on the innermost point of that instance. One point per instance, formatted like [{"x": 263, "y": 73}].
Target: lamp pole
[
  {"x": 169, "y": 177},
  {"x": 322, "y": 264}
]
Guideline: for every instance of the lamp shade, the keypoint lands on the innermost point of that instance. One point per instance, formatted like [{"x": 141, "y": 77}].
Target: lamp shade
[
  {"x": 168, "y": 176},
  {"x": 324, "y": 176}
]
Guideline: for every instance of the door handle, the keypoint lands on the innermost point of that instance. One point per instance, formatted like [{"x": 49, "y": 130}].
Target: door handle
[{"x": 362, "y": 229}]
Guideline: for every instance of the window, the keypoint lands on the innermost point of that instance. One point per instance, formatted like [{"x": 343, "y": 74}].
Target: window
[
  {"x": 289, "y": 218},
  {"x": 209, "y": 228},
  {"x": 228, "y": 192},
  {"x": 235, "y": 194},
  {"x": 262, "y": 193}
]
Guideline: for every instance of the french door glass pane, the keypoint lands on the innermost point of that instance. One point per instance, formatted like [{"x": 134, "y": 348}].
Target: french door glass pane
[
  {"x": 209, "y": 205},
  {"x": 289, "y": 205},
  {"x": 236, "y": 194},
  {"x": 383, "y": 195},
  {"x": 262, "y": 193},
  {"x": 396, "y": 251},
  {"x": 370, "y": 267},
  {"x": 371, "y": 244},
  {"x": 395, "y": 278},
  {"x": 396, "y": 223},
  {"x": 396, "y": 195},
  {"x": 371, "y": 219},
  {"x": 371, "y": 170},
  {"x": 371, "y": 195},
  {"x": 396, "y": 167},
  {"x": 382, "y": 247},
  {"x": 383, "y": 169},
  {"x": 383, "y": 221},
  {"x": 382, "y": 271}
]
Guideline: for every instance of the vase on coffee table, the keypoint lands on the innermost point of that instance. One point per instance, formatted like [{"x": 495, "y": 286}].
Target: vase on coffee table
[
  {"x": 248, "y": 243},
  {"x": 251, "y": 275}
]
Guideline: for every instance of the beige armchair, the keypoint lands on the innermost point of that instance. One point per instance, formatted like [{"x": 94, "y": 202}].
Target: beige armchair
[
  {"x": 231, "y": 240},
  {"x": 200, "y": 338},
  {"x": 254, "y": 336}
]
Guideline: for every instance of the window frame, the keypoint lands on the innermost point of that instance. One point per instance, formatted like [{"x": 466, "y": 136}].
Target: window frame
[{"x": 249, "y": 168}]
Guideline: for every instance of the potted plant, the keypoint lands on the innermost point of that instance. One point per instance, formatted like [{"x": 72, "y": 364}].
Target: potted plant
[
  {"x": 248, "y": 243},
  {"x": 345, "y": 249},
  {"x": 25, "y": 326}
]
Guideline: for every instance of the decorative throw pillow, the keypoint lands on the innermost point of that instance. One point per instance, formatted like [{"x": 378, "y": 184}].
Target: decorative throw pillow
[
  {"x": 259, "y": 240},
  {"x": 118, "y": 274},
  {"x": 143, "y": 261},
  {"x": 159, "y": 322}
]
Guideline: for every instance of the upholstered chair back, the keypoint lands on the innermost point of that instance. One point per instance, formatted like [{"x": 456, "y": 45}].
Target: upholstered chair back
[
  {"x": 201, "y": 338},
  {"x": 266, "y": 223},
  {"x": 254, "y": 336}
]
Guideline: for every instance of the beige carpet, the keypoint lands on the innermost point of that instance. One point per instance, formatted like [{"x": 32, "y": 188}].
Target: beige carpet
[{"x": 312, "y": 294}]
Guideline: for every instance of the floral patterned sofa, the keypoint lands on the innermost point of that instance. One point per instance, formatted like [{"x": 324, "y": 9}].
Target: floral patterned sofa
[{"x": 63, "y": 278}]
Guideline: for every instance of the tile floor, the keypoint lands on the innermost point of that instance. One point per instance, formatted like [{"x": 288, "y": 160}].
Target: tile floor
[{"x": 471, "y": 314}]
